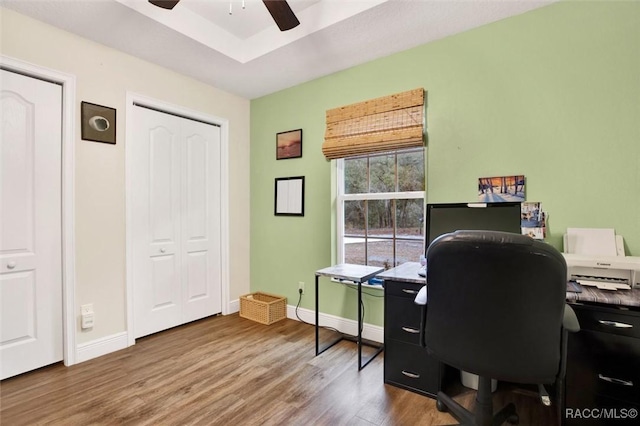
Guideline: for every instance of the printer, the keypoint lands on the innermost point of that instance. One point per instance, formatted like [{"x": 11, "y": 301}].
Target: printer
[{"x": 596, "y": 257}]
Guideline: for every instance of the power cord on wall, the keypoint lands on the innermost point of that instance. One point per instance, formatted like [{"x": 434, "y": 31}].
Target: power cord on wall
[
  {"x": 322, "y": 326},
  {"x": 298, "y": 305}
]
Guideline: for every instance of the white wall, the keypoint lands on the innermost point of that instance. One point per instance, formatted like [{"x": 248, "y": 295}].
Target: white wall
[{"x": 103, "y": 76}]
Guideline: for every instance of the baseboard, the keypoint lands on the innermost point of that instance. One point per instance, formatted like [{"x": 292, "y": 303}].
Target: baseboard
[
  {"x": 234, "y": 306},
  {"x": 118, "y": 341},
  {"x": 369, "y": 331},
  {"x": 102, "y": 346}
]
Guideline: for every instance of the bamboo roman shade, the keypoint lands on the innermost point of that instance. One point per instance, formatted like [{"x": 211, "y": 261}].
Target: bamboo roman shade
[{"x": 383, "y": 124}]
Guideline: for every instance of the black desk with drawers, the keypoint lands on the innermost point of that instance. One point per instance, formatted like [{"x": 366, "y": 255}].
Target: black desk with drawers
[
  {"x": 603, "y": 359},
  {"x": 406, "y": 363}
]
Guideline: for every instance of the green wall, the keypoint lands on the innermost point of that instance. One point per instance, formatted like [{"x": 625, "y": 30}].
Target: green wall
[{"x": 553, "y": 94}]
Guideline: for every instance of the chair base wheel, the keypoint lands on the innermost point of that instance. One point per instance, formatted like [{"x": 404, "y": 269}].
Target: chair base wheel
[{"x": 440, "y": 406}]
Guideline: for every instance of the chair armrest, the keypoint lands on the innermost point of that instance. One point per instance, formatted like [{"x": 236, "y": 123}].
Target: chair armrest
[
  {"x": 570, "y": 320},
  {"x": 421, "y": 298}
]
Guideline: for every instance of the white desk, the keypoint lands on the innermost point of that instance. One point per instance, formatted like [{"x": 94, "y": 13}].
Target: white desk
[{"x": 358, "y": 274}]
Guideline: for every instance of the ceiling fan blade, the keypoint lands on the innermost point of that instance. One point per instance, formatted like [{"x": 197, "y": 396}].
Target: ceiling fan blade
[
  {"x": 282, "y": 14},
  {"x": 165, "y": 4}
]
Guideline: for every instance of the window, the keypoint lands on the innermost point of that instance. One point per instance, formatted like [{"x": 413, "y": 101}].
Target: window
[{"x": 381, "y": 208}]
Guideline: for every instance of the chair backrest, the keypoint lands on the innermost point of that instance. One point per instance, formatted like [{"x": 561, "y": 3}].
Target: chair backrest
[{"x": 495, "y": 303}]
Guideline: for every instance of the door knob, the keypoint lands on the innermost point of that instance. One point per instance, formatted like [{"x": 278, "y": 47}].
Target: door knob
[{"x": 11, "y": 265}]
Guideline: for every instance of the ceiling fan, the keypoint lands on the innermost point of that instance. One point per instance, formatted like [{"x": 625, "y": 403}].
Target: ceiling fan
[{"x": 279, "y": 10}]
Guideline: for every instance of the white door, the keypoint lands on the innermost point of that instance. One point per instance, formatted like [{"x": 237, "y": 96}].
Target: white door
[
  {"x": 200, "y": 214},
  {"x": 175, "y": 221},
  {"x": 30, "y": 229}
]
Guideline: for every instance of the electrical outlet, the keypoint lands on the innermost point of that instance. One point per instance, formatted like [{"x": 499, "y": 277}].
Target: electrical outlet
[
  {"x": 301, "y": 286},
  {"x": 86, "y": 316}
]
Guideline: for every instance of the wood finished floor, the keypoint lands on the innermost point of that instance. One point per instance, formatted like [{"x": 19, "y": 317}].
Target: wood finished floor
[{"x": 229, "y": 371}]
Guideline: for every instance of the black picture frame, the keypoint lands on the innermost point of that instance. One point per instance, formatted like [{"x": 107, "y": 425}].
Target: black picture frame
[
  {"x": 98, "y": 123},
  {"x": 289, "y": 144},
  {"x": 289, "y": 196}
]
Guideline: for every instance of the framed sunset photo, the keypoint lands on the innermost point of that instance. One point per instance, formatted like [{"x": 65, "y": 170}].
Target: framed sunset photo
[{"x": 289, "y": 144}]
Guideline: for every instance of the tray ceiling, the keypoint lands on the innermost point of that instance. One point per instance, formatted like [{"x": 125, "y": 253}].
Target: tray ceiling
[{"x": 244, "y": 53}]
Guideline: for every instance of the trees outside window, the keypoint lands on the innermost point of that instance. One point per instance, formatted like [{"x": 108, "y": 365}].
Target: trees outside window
[{"x": 381, "y": 208}]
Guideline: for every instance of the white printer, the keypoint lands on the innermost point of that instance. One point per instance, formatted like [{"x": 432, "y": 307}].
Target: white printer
[{"x": 596, "y": 257}]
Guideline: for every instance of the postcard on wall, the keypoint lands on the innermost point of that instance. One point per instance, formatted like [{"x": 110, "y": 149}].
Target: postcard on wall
[
  {"x": 533, "y": 220},
  {"x": 501, "y": 189}
]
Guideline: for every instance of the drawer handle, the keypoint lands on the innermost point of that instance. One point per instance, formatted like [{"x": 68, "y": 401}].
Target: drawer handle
[
  {"x": 406, "y": 290},
  {"x": 411, "y": 330},
  {"x": 411, "y": 375},
  {"x": 615, "y": 324},
  {"x": 615, "y": 381}
]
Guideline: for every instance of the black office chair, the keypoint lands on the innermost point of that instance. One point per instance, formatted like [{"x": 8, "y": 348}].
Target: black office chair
[{"x": 496, "y": 308}]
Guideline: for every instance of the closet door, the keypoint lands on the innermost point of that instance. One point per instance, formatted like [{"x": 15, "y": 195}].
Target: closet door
[
  {"x": 200, "y": 220},
  {"x": 156, "y": 222},
  {"x": 176, "y": 221},
  {"x": 30, "y": 224}
]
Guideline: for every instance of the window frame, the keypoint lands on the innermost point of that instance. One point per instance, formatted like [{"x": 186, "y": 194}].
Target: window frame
[{"x": 341, "y": 198}]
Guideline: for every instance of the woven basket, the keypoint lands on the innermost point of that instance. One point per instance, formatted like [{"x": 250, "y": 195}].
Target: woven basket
[{"x": 263, "y": 307}]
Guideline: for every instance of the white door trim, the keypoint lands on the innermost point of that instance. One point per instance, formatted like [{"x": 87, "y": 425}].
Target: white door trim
[
  {"x": 134, "y": 98},
  {"x": 68, "y": 83}
]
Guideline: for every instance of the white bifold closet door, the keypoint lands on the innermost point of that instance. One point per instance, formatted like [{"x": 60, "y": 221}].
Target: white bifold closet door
[
  {"x": 175, "y": 220},
  {"x": 30, "y": 224}
]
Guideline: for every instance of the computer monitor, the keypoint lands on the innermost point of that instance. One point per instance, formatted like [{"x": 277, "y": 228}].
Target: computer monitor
[{"x": 444, "y": 218}]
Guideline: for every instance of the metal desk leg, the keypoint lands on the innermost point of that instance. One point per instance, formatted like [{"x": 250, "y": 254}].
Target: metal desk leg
[
  {"x": 378, "y": 348},
  {"x": 340, "y": 336},
  {"x": 359, "y": 326},
  {"x": 317, "y": 334}
]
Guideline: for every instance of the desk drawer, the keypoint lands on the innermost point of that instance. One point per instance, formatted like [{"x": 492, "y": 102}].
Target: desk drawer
[
  {"x": 604, "y": 364},
  {"x": 411, "y": 367},
  {"x": 396, "y": 288},
  {"x": 402, "y": 319},
  {"x": 608, "y": 320}
]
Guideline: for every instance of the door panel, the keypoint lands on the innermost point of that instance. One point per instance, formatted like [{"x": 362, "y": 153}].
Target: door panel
[
  {"x": 197, "y": 275},
  {"x": 196, "y": 188},
  {"x": 30, "y": 232},
  {"x": 163, "y": 282},
  {"x": 18, "y": 158},
  {"x": 156, "y": 229},
  {"x": 201, "y": 220},
  {"x": 163, "y": 185},
  {"x": 19, "y": 289}
]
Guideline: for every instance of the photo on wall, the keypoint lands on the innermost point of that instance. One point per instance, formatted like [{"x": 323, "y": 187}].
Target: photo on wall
[
  {"x": 534, "y": 220},
  {"x": 289, "y": 144},
  {"x": 501, "y": 189},
  {"x": 98, "y": 123}
]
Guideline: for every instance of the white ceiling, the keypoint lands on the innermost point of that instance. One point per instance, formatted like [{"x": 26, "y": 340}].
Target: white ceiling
[{"x": 246, "y": 54}]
